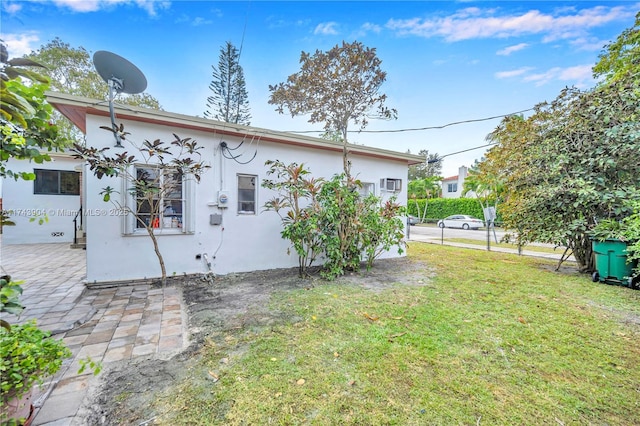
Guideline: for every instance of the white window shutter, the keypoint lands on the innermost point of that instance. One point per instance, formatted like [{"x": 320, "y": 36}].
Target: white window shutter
[
  {"x": 189, "y": 204},
  {"x": 128, "y": 204}
]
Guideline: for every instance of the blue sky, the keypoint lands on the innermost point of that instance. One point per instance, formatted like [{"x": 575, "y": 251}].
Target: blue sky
[{"x": 445, "y": 61}]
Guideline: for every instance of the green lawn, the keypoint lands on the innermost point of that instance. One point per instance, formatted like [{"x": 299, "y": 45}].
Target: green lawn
[
  {"x": 491, "y": 339},
  {"x": 528, "y": 247}
]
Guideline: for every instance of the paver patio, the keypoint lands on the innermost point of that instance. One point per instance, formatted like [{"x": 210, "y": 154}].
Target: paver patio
[{"x": 108, "y": 325}]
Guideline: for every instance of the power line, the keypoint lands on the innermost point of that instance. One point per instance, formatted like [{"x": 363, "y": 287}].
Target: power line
[
  {"x": 420, "y": 128},
  {"x": 438, "y": 159},
  {"x": 244, "y": 31}
]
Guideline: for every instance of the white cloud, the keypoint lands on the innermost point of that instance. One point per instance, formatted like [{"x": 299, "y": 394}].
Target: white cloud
[
  {"x": 512, "y": 73},
  {"x": 542, "y": 78},
  {"x": 588, "y": 44},
  {"x": 365, "y": 29},
  {"x": 79, "y": 5},
  {"x": 194, "y": 22},
  {"x": 19, "y": 45},
  {"x": 509, "y": 50},
  {"x": 474, "y": 23},
  {"x": 326, "y": 28},
  {"x": 198, "y": 21},
  {"x": 578, "y": 75},
  {"x": 217, "y": 13},
  {"x": 84, "y": 6},
  {"x": 152, "y": 6},
  {"x": 369, "y": 27},
  {"x": 11, "y": 7}
]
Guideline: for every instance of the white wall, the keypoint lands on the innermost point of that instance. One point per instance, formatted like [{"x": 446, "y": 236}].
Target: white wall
[
  {"x": 462, "y": 175},
  {"x": 18, "y": 196},
  {"x": 243, "y": 242}
]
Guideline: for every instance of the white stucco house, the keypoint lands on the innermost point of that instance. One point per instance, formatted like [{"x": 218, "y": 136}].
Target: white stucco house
[
  {"x": 53, "y": 199},
  {"x": 222, "y": 216},
  {"x": 452, "y": 186}
]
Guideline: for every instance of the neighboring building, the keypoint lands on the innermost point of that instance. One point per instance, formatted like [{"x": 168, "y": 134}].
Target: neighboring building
[
  {"x": 452, "y": 186},
  {"x": 222, "y": 216},
  {"x": 53, "y": 198}
]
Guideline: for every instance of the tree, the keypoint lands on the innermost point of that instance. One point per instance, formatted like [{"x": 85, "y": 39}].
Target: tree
[
  {"x": 485, "y": 184},
  {"x": 424, "y": 189},
  {"x": 298, "y": 208},
  {"x": 431, "y": 166},
  {"x": 336, "y": 87},
  {"x": 622, "y": 56},
  {"x": 27, "y": 132},
  {"x": 229, "y": 101},
  {"x": 153, "y": 174},
  {"x": 573, "y": 162},
  {"x": 71, "y": 71},
  {"x": 312, "y": 213},
  {"x": 631, "y": 226}
]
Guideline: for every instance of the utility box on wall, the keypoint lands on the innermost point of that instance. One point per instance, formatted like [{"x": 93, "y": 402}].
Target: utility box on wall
[{"x": 215, "y": 219}]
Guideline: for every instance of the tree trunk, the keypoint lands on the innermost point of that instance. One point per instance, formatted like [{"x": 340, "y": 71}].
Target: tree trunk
[
  {"x": 583, "y": 253},
  {"x": 345, "y": 162},
  {"x": 345, "y": 154},
  {"x": 156, "y": 248}
]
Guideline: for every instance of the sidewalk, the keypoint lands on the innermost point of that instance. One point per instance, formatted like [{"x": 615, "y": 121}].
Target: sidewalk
[
  {"x": 436, "y": 240},
  {"x": 108, "y": 325}
]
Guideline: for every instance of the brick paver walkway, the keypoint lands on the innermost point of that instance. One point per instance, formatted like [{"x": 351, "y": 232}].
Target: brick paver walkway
[{"x": 108, "y": 325}]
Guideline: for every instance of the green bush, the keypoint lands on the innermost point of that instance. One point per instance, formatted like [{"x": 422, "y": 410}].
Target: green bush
[
  {"x": 336, "y": 222},
  {"x": 28, "y": 356},
  {"x": 631, "y": 226},
  {"x": 439, "y": 208}
]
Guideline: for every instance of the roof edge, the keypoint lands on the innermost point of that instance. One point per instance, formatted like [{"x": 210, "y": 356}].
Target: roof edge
[{"x": 76, "y": 108}]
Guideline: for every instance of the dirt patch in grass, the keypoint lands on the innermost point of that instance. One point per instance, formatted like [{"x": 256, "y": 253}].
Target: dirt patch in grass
[{"x": 231, "y": 303}]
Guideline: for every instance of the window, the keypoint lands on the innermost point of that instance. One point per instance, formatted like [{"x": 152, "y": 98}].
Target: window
[
  {"x": 391, "y": 185},
  {"x": 452, "y": 187},
  {"x": 247, "y": 194},
  {"x": 161, "y": 199},
  {"x": 367, "y": 189},
  {"x": 56, "y": 182}
]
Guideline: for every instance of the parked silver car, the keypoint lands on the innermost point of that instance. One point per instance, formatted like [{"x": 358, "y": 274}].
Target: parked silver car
[{"x": 460, "y": 221}]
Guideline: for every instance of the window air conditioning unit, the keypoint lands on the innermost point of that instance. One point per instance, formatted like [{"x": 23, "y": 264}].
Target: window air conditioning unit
[{"x": 391, "y": 185}]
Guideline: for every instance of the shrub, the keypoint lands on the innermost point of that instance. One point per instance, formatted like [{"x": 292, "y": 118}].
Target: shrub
[
  {"x": 631, "y": 233},
  {"x": 332, "y": 219},
  {"x": 27, "y": 357},
  {"x": 439, "y": 208}
]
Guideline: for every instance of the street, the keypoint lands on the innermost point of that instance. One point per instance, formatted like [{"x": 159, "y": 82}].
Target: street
[{"x": 433, "y": 232}]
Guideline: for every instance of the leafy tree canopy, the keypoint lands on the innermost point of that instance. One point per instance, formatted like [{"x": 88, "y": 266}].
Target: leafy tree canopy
[
  {"x": 485, "y": 184},
  {"x": 336, "y": 87},
  {"x": 426, "y": 169},
  {"x": 428, "y": 187},
  {"x": 573, "y": 162},
  {"x": 71, "y": 71},
  {"x": 27, "y": 132},
  {"x": 622, "y": 56}
]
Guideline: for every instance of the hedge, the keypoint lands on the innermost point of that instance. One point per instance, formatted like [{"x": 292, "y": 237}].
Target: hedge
[{"x": 439, "y": 208}]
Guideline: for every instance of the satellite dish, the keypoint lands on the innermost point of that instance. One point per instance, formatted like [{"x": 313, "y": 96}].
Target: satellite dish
[
  {"x": 128, "y": 77},
  {"x": 122, "y": 77}
]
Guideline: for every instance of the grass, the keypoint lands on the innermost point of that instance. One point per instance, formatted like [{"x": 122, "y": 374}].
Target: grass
[
  {"x": 483, "y": 243},
  {"x": 491, "y": 339}
]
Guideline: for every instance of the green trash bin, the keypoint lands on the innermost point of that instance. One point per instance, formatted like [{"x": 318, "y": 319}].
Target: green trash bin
[{"x": 611, "y": 262}]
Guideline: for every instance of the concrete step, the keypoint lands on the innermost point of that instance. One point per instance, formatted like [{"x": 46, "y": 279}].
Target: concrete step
[{"x": 81, "y": 243}]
